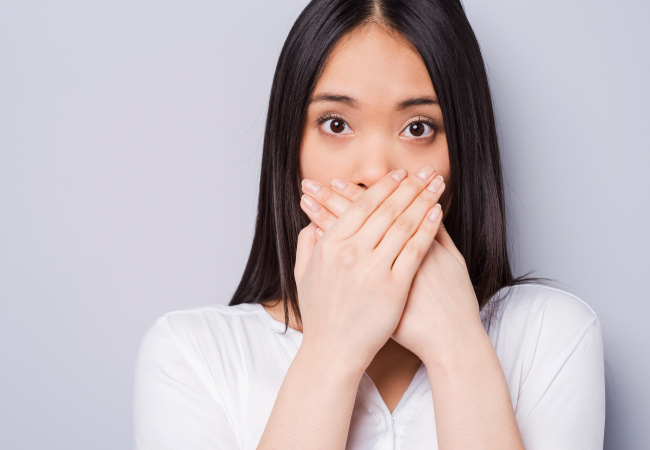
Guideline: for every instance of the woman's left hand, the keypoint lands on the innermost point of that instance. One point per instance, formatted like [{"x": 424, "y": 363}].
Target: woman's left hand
[{"x": 441, "y": 318}]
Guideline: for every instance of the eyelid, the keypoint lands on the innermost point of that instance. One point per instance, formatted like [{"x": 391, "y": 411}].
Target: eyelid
[
  {"x": 329, "y": 116},
  {"x": 417, "y": 119},
  {"x": 426, "y": 120},
  {"x": 423, "y": 119}
]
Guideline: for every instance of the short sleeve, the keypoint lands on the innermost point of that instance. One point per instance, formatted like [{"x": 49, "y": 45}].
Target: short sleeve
[
  {"x": 564, "y": 398},
  {"x": 172, "y": 407}
]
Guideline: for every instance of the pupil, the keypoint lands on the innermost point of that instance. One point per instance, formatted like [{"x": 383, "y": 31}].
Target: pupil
[
  {"x": 337, "y": 126},
  {"x": 417, "y": 129}
]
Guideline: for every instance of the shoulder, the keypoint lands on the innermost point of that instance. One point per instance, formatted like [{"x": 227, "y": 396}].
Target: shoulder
[
  {"x": 212, "y": 318},
  {"x": 535, "y": 324},
  {"x": 550, "y": 346},
  {"x": 536, "y": 330},
  {"x": 203, "y": 331},
  {"x": 532, "y": 308}
]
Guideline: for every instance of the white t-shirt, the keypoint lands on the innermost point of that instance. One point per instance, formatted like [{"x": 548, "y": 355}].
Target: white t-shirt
[{"x": 207, "y": 378}]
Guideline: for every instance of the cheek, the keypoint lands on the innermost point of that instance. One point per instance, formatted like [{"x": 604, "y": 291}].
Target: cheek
[
  {"x": 317, "y": 162},
  {"x": 311, "y": 165},
  {"x": 441, "y": 161}
]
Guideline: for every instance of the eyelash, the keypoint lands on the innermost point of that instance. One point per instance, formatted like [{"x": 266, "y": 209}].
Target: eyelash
[{"x": 419, "y": 119}]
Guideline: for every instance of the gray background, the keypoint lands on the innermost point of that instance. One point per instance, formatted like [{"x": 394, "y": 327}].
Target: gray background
[{"x": 130, "y": 148}]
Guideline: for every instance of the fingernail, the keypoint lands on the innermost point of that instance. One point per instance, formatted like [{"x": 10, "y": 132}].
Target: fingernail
[
  {"x": 399, "y": 174},
  {"x": 426, "y": 172},
  {"x": 337, "y": 184},
  {"x": 435, "y": 184},
  {"x": 319, "y": 232},
  {"x": 310, "y": 186},
  {"x": 311, "y": 204},
  {"x": 435, "y": 212}
]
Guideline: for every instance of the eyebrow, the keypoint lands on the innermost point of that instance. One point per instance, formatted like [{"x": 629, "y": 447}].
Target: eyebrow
[{"x": 416, "y": 101}]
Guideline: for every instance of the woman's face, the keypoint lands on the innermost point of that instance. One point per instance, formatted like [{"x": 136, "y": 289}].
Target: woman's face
[{"x": 366, "y": 132}]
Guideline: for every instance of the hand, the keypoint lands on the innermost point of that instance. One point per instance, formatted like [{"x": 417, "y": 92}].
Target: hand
[
  {"x": 441, "y": 314},
  {"x": 354, "y": 281}
]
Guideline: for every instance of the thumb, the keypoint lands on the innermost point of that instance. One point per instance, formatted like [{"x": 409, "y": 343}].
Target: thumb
[{"x": 307, "y": 239}]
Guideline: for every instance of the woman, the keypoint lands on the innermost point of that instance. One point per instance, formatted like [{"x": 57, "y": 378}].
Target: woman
[{"x": 378, "y": 286}]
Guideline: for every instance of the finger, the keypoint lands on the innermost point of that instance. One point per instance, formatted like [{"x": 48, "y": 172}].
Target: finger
[
  {"x": 346, "y": 189},
  {"x": 364, "y": 205},
  {"x": 390, "y": 209},
  {"x": 317, "y": 213},
  {"x": 326, "y": 197},
  {"x": 305, "y": 247},
  {"x": 409, "y": 259},
  {"x": 407, "y": 224}
]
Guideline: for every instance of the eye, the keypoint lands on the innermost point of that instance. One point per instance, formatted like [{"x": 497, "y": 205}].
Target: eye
[
  {"x": 333, "y": 124},
  {"x": 421, "y": 128}
]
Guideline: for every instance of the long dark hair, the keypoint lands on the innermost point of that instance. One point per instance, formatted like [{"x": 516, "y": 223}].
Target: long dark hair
[{"x": 476, "y": 218}]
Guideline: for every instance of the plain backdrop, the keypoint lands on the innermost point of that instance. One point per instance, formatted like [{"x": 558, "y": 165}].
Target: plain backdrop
[{"x": 130, "y": 149}]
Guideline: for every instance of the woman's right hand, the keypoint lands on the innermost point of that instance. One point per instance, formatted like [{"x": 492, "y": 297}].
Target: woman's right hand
[{"x": 353, "y": 287}]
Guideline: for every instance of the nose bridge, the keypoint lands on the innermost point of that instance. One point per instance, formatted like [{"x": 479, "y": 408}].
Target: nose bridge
[{"x": 374, "y": 160}]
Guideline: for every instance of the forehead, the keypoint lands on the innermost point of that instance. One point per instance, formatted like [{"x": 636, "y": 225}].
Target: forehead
[{"x": 371, "y": 59}]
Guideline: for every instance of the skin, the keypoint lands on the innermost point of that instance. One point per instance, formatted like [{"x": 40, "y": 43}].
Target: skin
[
  {"x": 439, "y": 325},
  {"x": 374, "y": 139}
]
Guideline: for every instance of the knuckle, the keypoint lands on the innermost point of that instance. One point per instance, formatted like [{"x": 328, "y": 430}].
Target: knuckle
[
  {"x": 428, "y": 226},
  {"x": 388, "y": 208},
  {"x": 404, "y": 224},
  {"x": 413, "y": 183},
  {"x": 361, "y": 204},
  {"x": 414, "y": 249},
  {"x": 348, "y": 256},
  {"x": 326, "y": 195},
  {"x": 323, "y": 216}
]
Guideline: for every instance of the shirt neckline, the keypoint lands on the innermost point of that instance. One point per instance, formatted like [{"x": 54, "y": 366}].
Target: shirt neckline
[{"x": 276, "y": 325}]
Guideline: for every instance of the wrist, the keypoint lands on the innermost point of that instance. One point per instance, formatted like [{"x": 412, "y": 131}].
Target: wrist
[
  {"x": 464, "y": 348},
  {"x": 327, "y": 360}
]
